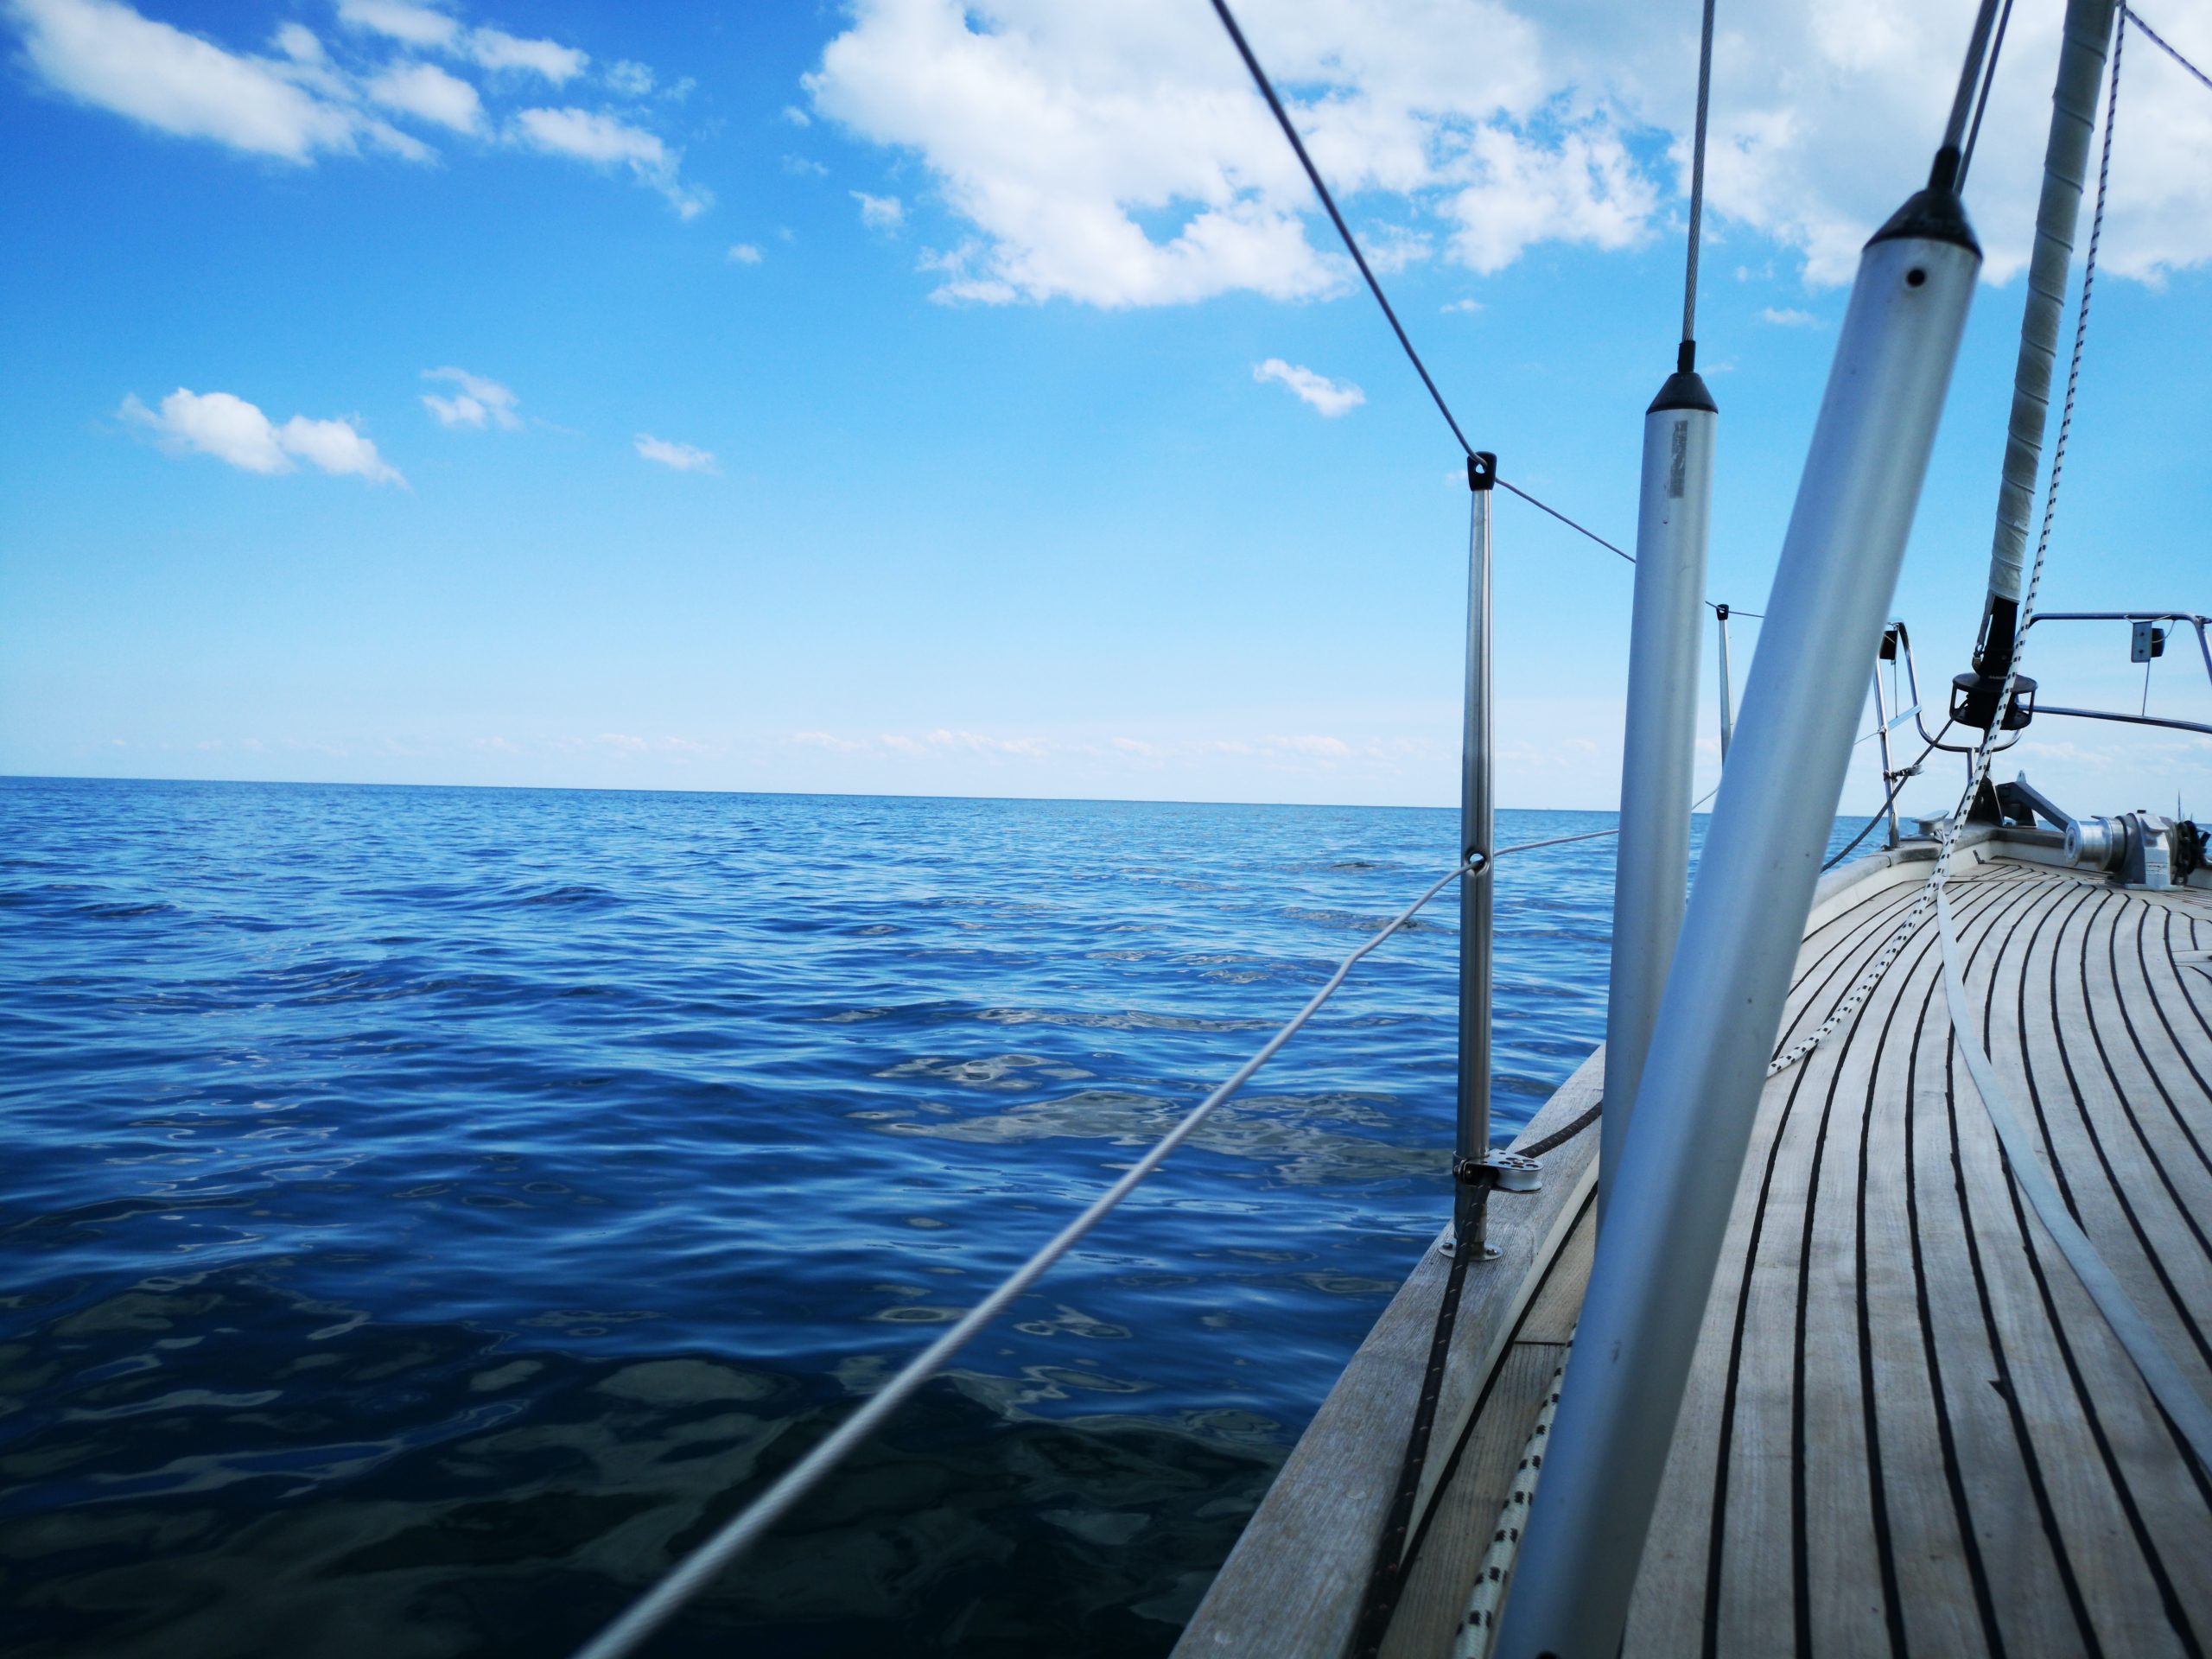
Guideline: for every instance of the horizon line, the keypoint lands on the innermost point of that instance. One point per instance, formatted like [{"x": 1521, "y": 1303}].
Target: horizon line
[{"x": 802, "y": 794}]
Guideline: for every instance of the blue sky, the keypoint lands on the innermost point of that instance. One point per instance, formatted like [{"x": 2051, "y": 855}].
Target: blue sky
[{"x": 876, "y": 398}]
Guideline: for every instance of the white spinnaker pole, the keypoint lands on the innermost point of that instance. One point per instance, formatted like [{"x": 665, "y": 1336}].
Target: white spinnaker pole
[
  {"x": 1717, "y": 1022},
  {"x": 1659, "y": 745},
  {"x": 1659, "y": 740}
]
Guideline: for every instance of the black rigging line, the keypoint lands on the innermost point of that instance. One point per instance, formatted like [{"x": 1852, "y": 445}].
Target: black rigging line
[
  {"x": 1351, "y": 246},
  {"x": 2158, "y": 41},
  {"x": 1282, "y": 118},
  {"x": 1988, "y": 79},
  {"x": 1564, "y": 519},
  {"x": 1689, "y": 355},
  {"x": 1949, "y": 170}
]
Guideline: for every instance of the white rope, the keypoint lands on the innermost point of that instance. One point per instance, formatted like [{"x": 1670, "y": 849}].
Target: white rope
[
  {"x": 738, "y": 1535},
  {"x": 1978, "y": 771},
  {"x": 2190, "y": 1415},
  {"x": 1479, "y": 1626}
]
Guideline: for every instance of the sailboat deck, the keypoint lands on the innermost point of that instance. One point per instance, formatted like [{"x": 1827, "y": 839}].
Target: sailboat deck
[{"x": 1908, "y": 1429}]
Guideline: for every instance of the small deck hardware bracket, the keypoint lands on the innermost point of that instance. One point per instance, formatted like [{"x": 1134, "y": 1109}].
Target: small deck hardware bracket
[
  {"x": 1514, "y": 1173},
  {"x": 1451, "y": 1248}
]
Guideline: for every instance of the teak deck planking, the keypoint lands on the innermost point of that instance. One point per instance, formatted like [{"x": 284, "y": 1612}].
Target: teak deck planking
[{"x": 1908, "y": 1428}]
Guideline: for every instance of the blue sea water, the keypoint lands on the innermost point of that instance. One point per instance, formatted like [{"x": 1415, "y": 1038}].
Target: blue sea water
[{"x": 429, "y": 1212}]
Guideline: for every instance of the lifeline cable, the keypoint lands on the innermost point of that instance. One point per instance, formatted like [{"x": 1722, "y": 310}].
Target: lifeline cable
[
  {"x": 693, "y": 1574},
  {"x": 1386, "y": 1576}
]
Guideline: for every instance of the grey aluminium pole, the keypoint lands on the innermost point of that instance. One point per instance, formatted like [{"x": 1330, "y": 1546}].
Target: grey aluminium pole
[
  {"x": 1728, "y": 696},
  {"x": 1659, "y": 745},
  {"x": 1703, "y": 1078},
  {"x": 1469, "y": 1206}
]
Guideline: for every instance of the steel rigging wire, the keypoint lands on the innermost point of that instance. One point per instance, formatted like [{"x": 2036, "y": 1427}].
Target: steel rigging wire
[
  {"x": 1697, "y": 191},
  {"x": 1351, "y": 246},
  {"x": 1981, "y": 103}
]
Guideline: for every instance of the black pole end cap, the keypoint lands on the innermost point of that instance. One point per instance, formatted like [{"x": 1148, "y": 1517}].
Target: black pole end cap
[
  {"x": 1685, "y": 389},
  {"x": 1935, "y": 214},
  {"x": 1482, "y": 470}
]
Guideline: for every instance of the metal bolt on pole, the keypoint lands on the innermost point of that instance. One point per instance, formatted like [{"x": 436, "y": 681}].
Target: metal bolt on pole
[{"x": 1471, "y": 1195}]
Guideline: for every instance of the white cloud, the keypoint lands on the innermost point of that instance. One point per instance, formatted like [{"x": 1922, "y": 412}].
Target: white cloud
[
  {"x": 1587, "y": 190},
  {"x": 494, "y": 50},
  {"x": 335, "y": 446},
  {"x": 477, "y": 401},
  {"x": 311, "y": 98},
  {"x": 589, "y": 137},
  {"x": 426, "y": 91},
  {"x": 497, "y": 50},
  {"x": 1312, "y": 746},
  {"x": 1469, "y": 306},
  {"x": 1117, "y": 155},
  {"x": 218, "y": 424},
  {"x": 235, "y": 431},
  {"x": 797, "y": 117},
  {"x": 298, "y": 42},
  {"x": 626, "y": 743},
  {"x": 106, "y": 55},
  {"x": 1332, "y": 398},
  {"x": 941, "y": 740},
  {"x": 629, "y": 79},
  {"x": 1823, "y": 123},
  {"x": 880, "y": 213},
  {"x": 683, "y": 457},
  {"x": 1788, "y": 317},
  {"x": 400, "y": 20},
  {"x": 607, "y": 142},
  {"x": 744, "y": 253}
]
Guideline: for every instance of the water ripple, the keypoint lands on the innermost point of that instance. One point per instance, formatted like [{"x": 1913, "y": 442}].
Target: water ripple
[{"x": 434, "y": 1208}]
